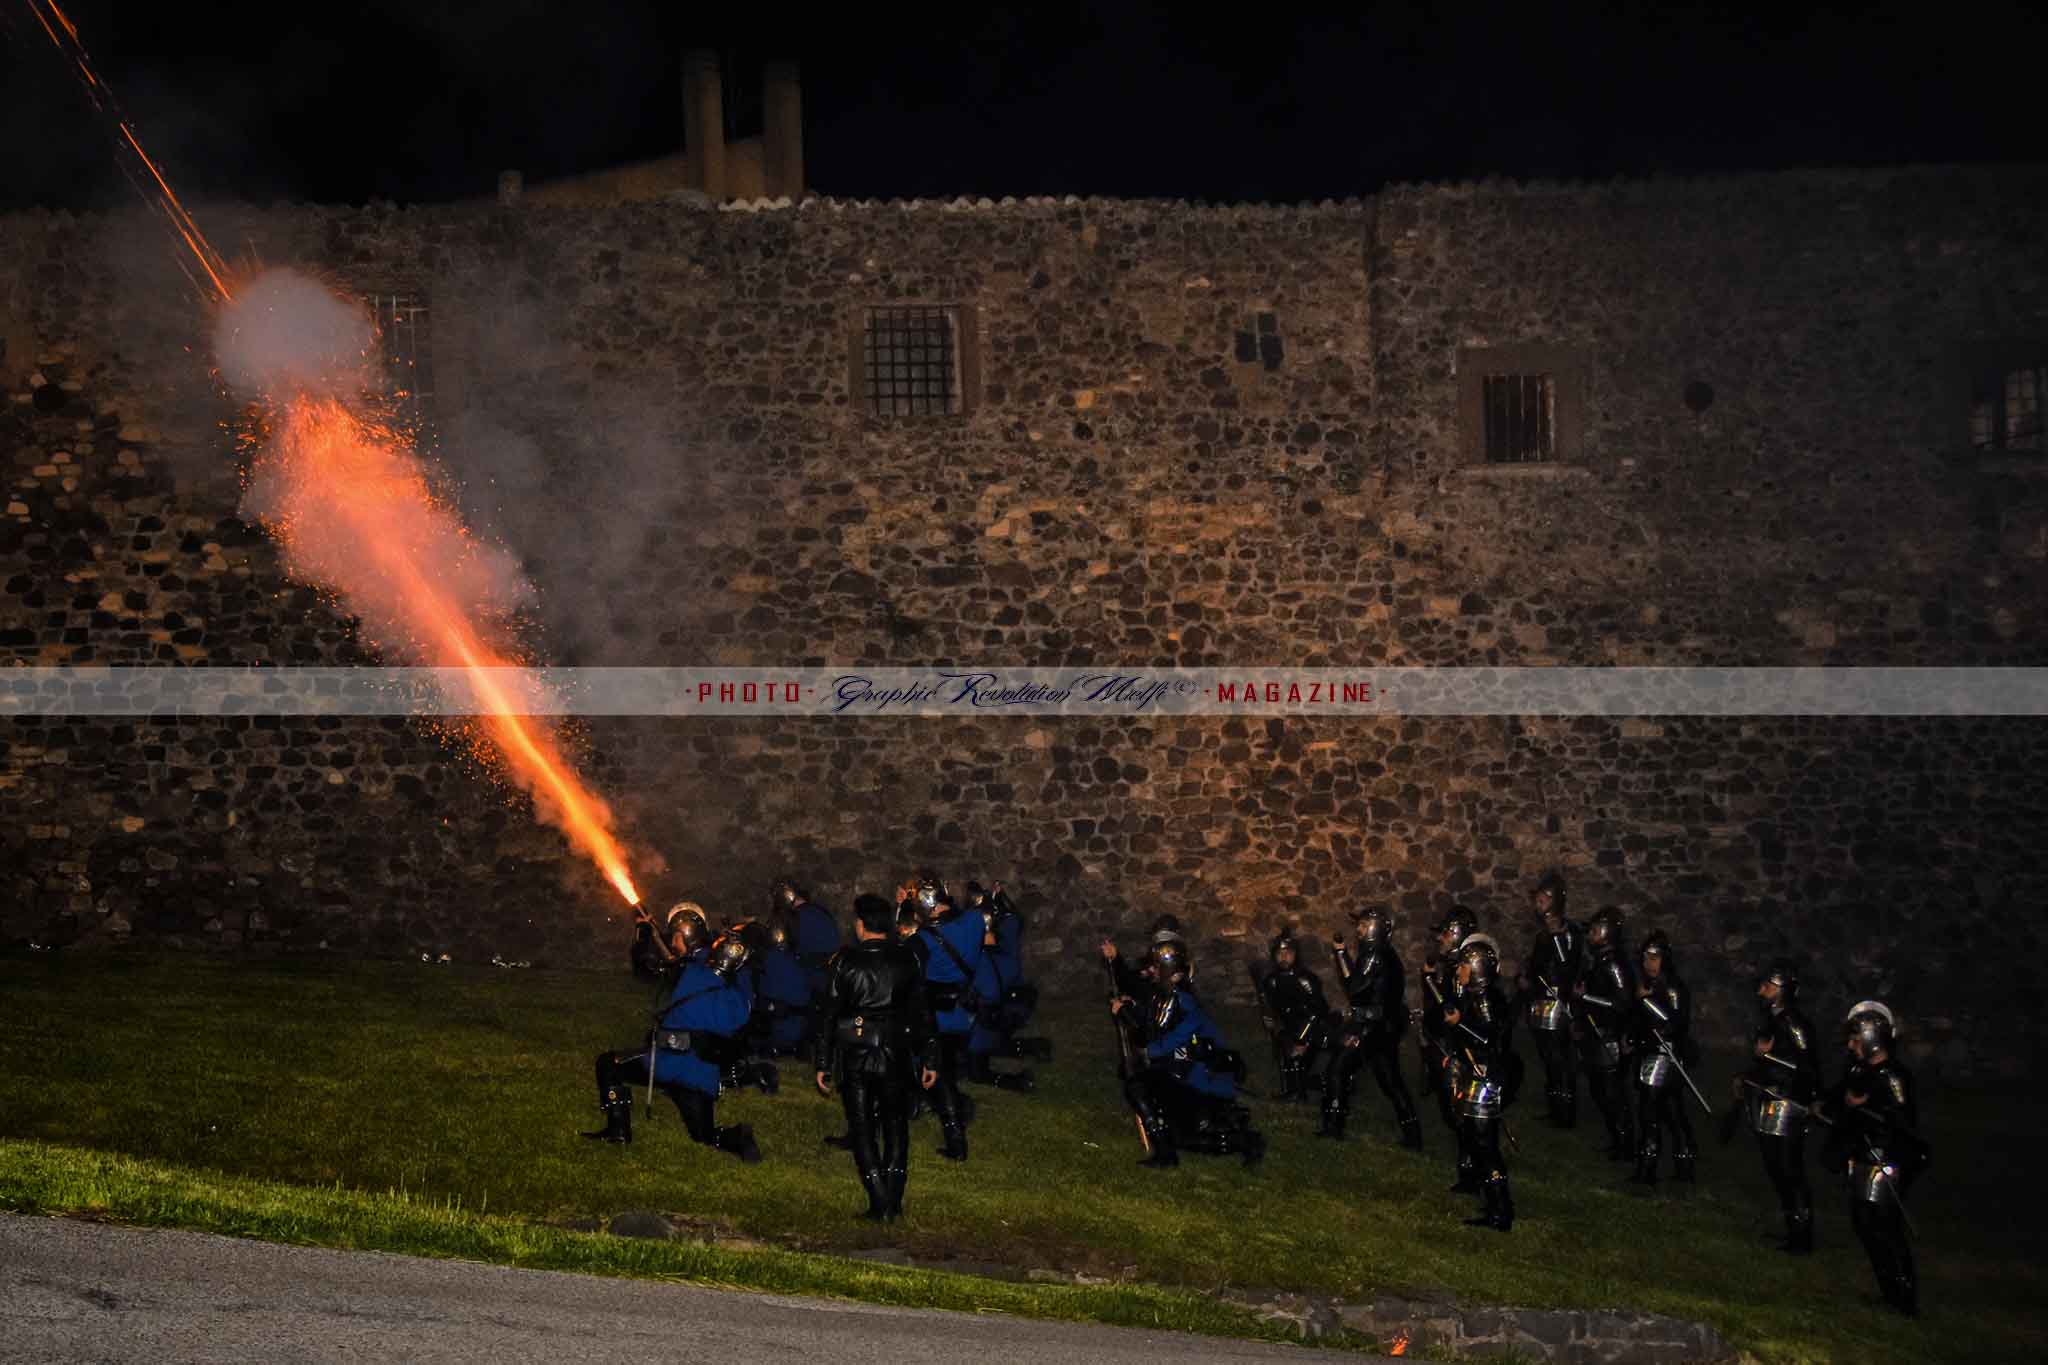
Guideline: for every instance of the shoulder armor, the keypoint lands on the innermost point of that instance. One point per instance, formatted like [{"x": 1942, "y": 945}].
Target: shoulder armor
[
  {"x": 1796, "y": 1031},
  {"x": 1162, "y": 1013},
  {"x": 1896, "y": 1084}
]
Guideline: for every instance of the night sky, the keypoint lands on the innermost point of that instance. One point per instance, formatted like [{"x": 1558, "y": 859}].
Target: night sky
[{"x": 414, "y": 101}]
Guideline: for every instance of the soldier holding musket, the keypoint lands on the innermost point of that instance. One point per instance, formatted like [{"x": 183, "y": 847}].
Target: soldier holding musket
[{"x": 1371, "y": 1024}]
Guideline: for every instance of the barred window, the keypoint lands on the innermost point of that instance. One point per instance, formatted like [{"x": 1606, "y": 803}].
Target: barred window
[
  {"x": 405, "y": 338},
  {"x": 911, "y": 362},
  {"x": 1521, "y": 417},
  {"x": 1522, "y": 404},
  {"x": 2005, "y": 407}
]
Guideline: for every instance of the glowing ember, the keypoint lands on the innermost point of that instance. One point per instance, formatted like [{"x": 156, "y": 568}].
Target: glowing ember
[
  {"x": 1398, "y": 1346},
  {"x": 349, "y": 503}
]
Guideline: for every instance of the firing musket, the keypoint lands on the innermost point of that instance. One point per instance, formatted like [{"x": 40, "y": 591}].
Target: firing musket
[{"x": 1126, "y": 1063}]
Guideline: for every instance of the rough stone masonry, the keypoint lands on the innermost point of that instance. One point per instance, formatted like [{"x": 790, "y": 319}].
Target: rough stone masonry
[{"x": 1194, "y": 434}]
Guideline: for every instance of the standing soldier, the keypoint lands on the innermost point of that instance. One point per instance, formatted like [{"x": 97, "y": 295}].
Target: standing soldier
[
  {"x": 873, "y": 1028},
  {"x": 1780, "y": 1089},
  {"x": 1550, "y": 974},
  {"x": 1662, "y": 1038},
  {"x": 783, "y": 1011},
  {"x": 1375, "y": 1017},
  {"x": 1439, "y": 984},
  {"x": 953, "y": 946},
  {"x": 1006, "y": 1000},
  {"x": 1181, "y": 1097},
  {"x": 1607, "y": 996},
  {"x": 1297, "y": 1015},
  {"x": 1877, "y": 1120},
  {"x": 695, "y": 1037},
  {"x": 1478, "y": 1033},
  {"x": 814, "y": 934}
]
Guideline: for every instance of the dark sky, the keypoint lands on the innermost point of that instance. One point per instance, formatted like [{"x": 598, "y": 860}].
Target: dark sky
[{"x": 416, "y": 101}]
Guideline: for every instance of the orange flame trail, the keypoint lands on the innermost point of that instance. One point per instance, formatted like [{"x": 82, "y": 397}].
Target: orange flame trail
[{"x": 350, "y": 478}]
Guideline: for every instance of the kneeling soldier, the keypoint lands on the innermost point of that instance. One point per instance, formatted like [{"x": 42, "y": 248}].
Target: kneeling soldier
[{"x": 695, "y": 1035}]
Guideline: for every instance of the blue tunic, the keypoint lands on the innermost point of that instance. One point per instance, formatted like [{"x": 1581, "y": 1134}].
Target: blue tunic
[
  {"x": 784, "y": 981},
  {"x": 963, "y": 929},
  {"x": 817, "y": 938},
  {"x": 999, "y": 969},
  {"x": 1185, "y": 1022},
  {"x": 702, "y": 1002}
]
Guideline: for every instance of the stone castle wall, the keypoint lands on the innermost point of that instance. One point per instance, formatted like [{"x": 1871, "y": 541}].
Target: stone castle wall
[{"x": 1202, "y": 436}]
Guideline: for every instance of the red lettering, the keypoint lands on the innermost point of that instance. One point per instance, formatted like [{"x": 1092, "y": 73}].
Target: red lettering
[
  {"x": 1358, "y": 691},
  {"x": 725, "y": 691},
  {"x": 1226, "y": 691},
  {"x": 789, "y": 692},
  {"x": 703, "y": 691},
  {"x": 1294, "y": 691},
  {"x": 1272, "y": 691},
  {"x": 749, "y": 692}
]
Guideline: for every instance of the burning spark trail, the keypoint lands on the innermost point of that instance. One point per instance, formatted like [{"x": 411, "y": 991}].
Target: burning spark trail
[{"x": 348, "y": 501}]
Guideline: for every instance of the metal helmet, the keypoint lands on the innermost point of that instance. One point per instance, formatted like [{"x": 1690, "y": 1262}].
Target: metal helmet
[
  {"x": 1871, "y": 1022},
  {"x": 1783, "y": 973},
  {"x": 1460, "y": 924},
  {"x": 1553, "y": 883},
  {"x": 730, "y": 952},
  {"x": 1284, "y": 939},
  {"x": 929, "y": 893},
  {"x": 1604, "y": 928},
  {"x": 1482, "y": 957},
  {"x": 687, "y": 918},
  {"x": 977, "y": 894},
  {"x": 1376, "y": 920},
  {"x": 1657, "y": 944},
  {"x": 787, "y": 895},
  {"x": 1168, "y": 961}
]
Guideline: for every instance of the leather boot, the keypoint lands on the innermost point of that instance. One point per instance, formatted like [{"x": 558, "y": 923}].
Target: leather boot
[
  {"x": 1333, "y": 1122},
  {"x": 617, "y": 1105},
  {"x": 1646, "y": 1168},
  {"x": 1798, "y": 1234},
  {"x": 1164, "y": 1152},
  {"x": 877, "y": 1186},
  {"x": 1411, "y": 1133},
  {"x": 739, "y": 1141},
  {"x": 1682, "y": 1167},
  {"x": 896, "y": 1177},
  {"x": 1500, "y": 1209},
  {"x": 1468, "y": 1176},
  {"x": 956, "y": 1142},
  {"x": 767, "y": 1077}
]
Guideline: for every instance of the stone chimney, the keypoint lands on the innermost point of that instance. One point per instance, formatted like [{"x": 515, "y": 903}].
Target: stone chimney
[
  {"x": 704, "y": 123},
  {"x": 782, "y": 131}
]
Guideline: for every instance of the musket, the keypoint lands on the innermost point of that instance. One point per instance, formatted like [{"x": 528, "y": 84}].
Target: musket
[
  {"x": 1125, "y": 1066},
  {"x": 1664, "y": 1046}
]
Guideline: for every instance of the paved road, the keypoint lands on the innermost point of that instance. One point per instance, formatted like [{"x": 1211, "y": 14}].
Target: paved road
[{"x": 82, "y": 1291}]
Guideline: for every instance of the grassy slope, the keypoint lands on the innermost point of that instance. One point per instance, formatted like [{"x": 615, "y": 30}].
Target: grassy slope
[{"x": 463, "y": 1088}]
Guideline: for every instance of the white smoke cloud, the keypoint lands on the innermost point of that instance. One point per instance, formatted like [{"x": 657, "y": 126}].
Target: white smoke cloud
[{"x": 287, "y": 333}]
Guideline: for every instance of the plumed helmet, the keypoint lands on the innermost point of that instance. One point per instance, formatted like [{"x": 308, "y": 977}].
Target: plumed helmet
[
  {"x": 1872, "y": 1022},
  {"x": 1605, "y": 927},
  {"x": 1783, "y": 973},
  {"x": 730, "y": 952},
  {"x": 1284, "y": 939},
  {"x": 687, "y": 918},
  {"x": 1460, "y": 924},
  {"x": 1168, "y": 960},
  {"x": 1479, "y": 953}
]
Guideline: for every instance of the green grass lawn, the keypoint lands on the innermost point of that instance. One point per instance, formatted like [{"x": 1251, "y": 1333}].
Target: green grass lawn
[{"x": 462, "y": 1089}]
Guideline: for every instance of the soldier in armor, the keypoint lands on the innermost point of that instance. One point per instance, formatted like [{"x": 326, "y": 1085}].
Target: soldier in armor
[
  {"x": 696, "y": 1037},
  {"x": 1180, "y": 1097},
  {"x": 782, "y": 1020},
  {"x": 1007, "y": 1001},
  {"x": 1478, "y": 1027},
  {"x": 1372, "y": 1022},
  {"x": 1606, "y": 997},
  {"x": 685, "y": 936},
  {"x": 1779, "y": 1091},
  {"x": 1439, "y": 984},
  {"x": 1549, "y": 977},
  {"x": 873, "y": 1028},
  {"x": 1297, "y": 1015},
  {"x": 952, "y": 939},
  {"x": 1661, "y": 1039},
  {"x": 813, "y": 932},
  {"x": 1876, "y": 1137}
]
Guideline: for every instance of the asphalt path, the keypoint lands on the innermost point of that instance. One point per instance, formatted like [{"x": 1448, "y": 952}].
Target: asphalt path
[{"x": 85, "y": 1291}]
